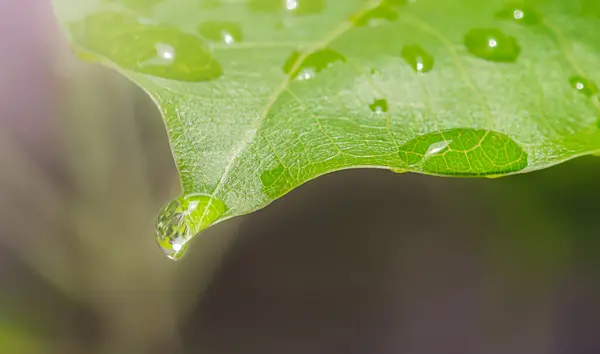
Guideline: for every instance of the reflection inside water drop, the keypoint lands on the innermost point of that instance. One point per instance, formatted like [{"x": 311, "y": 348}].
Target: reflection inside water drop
[
  {"x": 165, "y": 55},
  {"x": 312, "y": 64},
  {"x": 144, "y": 46},
  {"x": 492, "y": 44},
  {"x": 226, "y": 32},
  {"x": 519, "y": 13},
  {"x": 437, "y": 147},
  {"x": 418, "y": 58},
  {"x": 375, "y": 16},
  {"x": 291, "y": 4},
  {"x": 584, "y": 85},
  {"x": 464, "y": 151},
  {"x": 296, "y": 7},
  {"x": 182, "y": 219}
]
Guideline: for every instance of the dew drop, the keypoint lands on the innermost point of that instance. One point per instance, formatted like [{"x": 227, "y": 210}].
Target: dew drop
[
  {"x": 376, "y": 15},
  {"x": 151, "y": 49},
  {"x": 418, "y": 58},
  {"x": 379, "y": 106},
  {"x": 583, "y": 85},
  {"x": 492, "y": 44},
  {"x": 519, "y": 13},
  {"x": 465, "y": 152},
  {"x": 182, "y": 219},
  {"x": 226, "y": 32},
  {"x": 296, "y": 7},
  {"x": 313, "y": 64}
]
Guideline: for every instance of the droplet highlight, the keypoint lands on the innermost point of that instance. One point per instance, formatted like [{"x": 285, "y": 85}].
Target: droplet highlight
[
  {"x": 225, "y": 32},
  {"x": 312, "y": 64},
  {"x": 296, "y": 7},
  {"x": 519, "y": 13},
  {"x": 379, "y": 106},
  {"x": 182, "y": 219},
  {"x": 418, "y": 58},
  {"x": 151, "y": 49},
  {"x": 492, "y": 44},
  {"x": 464, "y": 152},
  {"x": 583, "y": 85}
]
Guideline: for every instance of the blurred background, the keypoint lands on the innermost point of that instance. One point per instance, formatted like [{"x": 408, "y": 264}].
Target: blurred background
[{"x": 360, "y": 261}]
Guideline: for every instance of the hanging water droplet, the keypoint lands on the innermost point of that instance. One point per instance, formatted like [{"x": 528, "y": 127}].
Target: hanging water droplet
[
  {"x": 376, "y": 15},
  {"x": 492, "y": 44},
  {"x": 584, "y": 85},
  {"x": 418, "y": 58},
  {"x": 151, "y": 49},
  {"x": 182, "y": 219},
  {"x": 464, "y": 151},
  {"x": 379, "y": 106},
  {"x": 226, "y": 32},
  {"x": 297, "y": 7},
  {"x": 519, "y": 13},
  {"x": 313, "y": 64}
]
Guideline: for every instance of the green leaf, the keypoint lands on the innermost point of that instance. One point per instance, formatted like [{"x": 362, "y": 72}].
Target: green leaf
[{"x": 260, "y": 96}]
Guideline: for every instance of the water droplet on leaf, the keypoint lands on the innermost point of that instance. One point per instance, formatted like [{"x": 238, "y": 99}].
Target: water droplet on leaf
[
  {"x": 313, "y": 64},
  {"x": 465, "y": 152},
  {"x": 297, "y": 7},
  {"x": 156, "y": 50},
  {"x": 182, "y": 219},
  {"x": 383, "y": 12},
  {"x": 418, "y": 58},
  {"x": 379, "y": 106},
  {"x": 584, "y": 85},
  {"x": 226, "y": 32},
  {"x": 492, "y": 44},
  {"x": 519, "y": 13}
]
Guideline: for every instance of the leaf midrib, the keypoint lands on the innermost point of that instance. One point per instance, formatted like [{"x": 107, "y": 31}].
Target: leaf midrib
[{"x": 338, "y": 31}]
